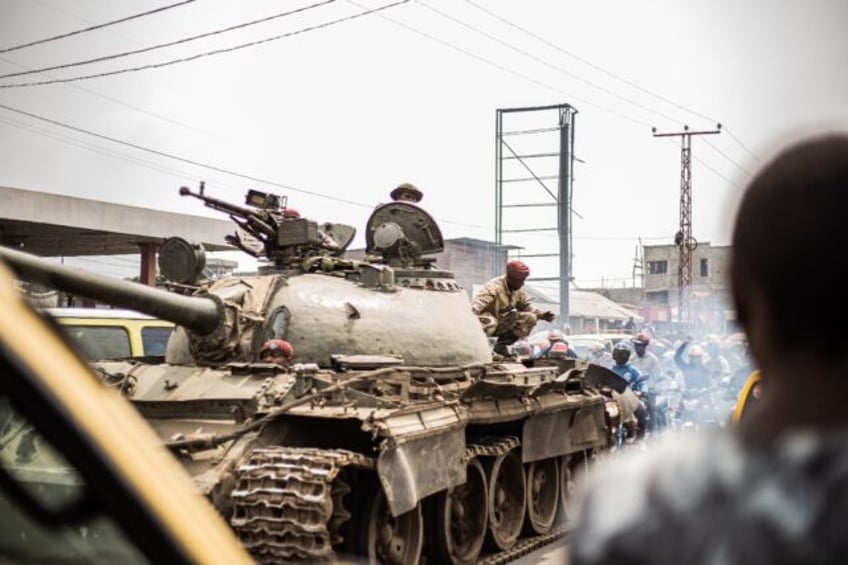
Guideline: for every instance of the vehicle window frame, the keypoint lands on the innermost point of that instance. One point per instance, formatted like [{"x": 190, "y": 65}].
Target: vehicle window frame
[{"x": 105, "y": 489}]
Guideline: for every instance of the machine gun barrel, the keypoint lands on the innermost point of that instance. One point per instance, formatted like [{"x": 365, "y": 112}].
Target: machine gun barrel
[
  {"x": 217, "y": 204},
  {"x": 252, "y": 222},
  {"x": 199, "y": 314}
]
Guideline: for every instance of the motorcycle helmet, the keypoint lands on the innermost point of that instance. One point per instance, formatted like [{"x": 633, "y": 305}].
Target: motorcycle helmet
[
  {"x": 621, "y": 352},
  {"x": 558, "y": 350},
  {"x": 695, "y": 351}
]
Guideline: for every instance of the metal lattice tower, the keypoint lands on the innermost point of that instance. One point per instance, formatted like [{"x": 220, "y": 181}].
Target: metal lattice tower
[
  {"x": 684, "y": 240},
  {"x": 523, "y": 191}
]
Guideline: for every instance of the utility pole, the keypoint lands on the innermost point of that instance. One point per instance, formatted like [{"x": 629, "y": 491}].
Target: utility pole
[
  {"x": 638, "y": 259},
  {"x": 683, "y": 238}
]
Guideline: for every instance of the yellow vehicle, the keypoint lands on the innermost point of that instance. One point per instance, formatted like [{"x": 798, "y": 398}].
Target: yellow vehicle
[
  {"x": 101, "y": 333},
  {"x": 82, "y": 477},
  {"x": 748, "y": 397}
]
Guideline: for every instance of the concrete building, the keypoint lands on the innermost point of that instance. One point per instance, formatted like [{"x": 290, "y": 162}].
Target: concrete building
[{"x": 710, "y": 285}]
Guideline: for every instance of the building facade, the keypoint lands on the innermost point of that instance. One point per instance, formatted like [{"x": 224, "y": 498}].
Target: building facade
[{"x": 710, "y": 285}]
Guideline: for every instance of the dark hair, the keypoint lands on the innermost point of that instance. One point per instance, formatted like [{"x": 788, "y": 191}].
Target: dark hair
[{"x": 789, "y": 242}]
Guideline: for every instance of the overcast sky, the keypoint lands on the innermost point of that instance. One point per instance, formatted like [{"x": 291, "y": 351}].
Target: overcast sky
[{"x": 338, "y": 116}]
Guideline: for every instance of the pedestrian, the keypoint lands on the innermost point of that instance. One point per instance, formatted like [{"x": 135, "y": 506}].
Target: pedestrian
[
  {"x": 562, "y": 348},
  {"x": 647, "y": 363},
  {"x": 697, "y": 374},
  {"x": 775, "y": 488},
  {"x": 504, "y": 308}
]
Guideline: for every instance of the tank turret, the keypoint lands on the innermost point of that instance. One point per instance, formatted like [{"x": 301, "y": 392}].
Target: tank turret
[{"x": 325, "y": 305}]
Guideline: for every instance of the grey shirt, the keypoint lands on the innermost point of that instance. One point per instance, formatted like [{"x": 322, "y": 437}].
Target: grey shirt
[{"x": 707, "y": 499}]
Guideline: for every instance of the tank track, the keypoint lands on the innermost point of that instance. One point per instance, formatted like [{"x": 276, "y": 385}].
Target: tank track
[
  {"x": 524, "y": 547},
  {"x": 491, "y": 446},
  {"x": 288, "y": 502}
]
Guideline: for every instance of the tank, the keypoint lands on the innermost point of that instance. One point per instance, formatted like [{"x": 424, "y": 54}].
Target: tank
[{"x": 393, "y": 434}]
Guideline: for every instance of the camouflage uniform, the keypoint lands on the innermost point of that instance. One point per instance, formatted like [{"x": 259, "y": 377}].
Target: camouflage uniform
[{"x": 503, "y": 311}]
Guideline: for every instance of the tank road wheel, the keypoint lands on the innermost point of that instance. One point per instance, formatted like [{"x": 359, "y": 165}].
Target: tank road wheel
[
  {"x": 543, "y": 484},
  {"x": 507, "y": 499},
  {"x": 381, "y": 537},
  {"x": 457, "y": 519},
  {"x": 571, "y": 468}
]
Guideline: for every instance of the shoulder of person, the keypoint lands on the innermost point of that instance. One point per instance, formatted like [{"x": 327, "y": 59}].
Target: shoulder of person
[{"x": 673, "y": 478}]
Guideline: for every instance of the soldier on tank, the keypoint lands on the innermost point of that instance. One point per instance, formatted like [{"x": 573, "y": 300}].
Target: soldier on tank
[
  {"x": 504, "y": 309},
  {"x": 406, "y": 192}
]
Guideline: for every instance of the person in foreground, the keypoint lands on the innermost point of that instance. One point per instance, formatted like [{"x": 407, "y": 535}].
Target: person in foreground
[{"x": 775, "y": 489}]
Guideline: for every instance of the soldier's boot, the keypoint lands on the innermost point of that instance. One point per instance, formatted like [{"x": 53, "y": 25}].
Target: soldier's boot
[{"x": 503, "y": 343}]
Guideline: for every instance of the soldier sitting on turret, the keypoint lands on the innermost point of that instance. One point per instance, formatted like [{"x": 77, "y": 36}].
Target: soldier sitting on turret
[{"x": 503, "y": 307}]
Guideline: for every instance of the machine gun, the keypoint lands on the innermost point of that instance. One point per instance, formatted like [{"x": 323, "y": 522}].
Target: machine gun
[{"x": 270, "y": 228}]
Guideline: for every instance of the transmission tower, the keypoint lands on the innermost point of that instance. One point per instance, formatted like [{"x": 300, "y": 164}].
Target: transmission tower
[{"x": 684, "y": 240}]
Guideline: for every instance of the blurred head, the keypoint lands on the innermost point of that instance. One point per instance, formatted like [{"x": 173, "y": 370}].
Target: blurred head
[
  {"x": 554, "y": 336},
  {"x": 597, "y": 349},
  {"x": 695, "y": 353},
  {"x": 621, "y": 353},
  {"x": 516, "y": 273},
  {"x": 794, "y": 207},
  {"x": 277, "y": 351},
  {"x": 559, "y": 349},
  {"x": 640, "y": 344},
  {"x": 522, "y": 348}
]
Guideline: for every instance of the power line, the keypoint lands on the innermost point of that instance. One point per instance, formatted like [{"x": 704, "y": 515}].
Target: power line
[
  {"x": 126, "y": 104},
  {"x": 590, "y": 64},
  {"x": 723, "y": 154},
  {"x": 176, "y": 157},
  {"x": 742, "y": 145},
  {"x": 94, "y": 27},
  {"x": 210, "y": 53},
  {"x": 161, "y": 168},
  {"x": 545, "y": 63},
  {"x": 170, "y": 43},
  {"x": 503, "y": 68}
]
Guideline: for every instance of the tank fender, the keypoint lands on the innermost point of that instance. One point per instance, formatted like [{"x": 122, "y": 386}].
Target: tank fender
[
  {"x": 562, "y": 432},
  {"x": 417, "y": 468}
]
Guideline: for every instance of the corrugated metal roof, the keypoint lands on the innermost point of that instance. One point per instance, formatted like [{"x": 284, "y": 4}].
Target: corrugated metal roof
[{"x": 584, "y": 304}]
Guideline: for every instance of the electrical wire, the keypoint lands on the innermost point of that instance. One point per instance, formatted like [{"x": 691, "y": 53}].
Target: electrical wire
[
  {"x": 615, "y": 76},
  {"x": 170, "y": 43},
  {"x": 126, "y": 104},
  {"x": 209, "y": 53},
  {"x": 545, "y": 63},
  {"x": 505, "y": 69},
  {"x": 723, "y": 154},
  {"x": 178, "y": 158},
  {"x": 95, "y": 27},
  {"x": 592, "y": 65},
  {"x": 164, "y": 169},
  {"x": 742, "y": 145}
]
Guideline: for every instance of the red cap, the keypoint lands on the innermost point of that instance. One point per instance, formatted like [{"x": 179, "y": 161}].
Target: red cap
[
  {"x": 517, "y": 270},
  {"x": 291, "y": 213},
  {"x": 277, "y": 346}
]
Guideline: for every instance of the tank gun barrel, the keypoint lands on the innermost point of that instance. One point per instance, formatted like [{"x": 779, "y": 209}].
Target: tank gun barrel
[{"x": 200, "y": 314}]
